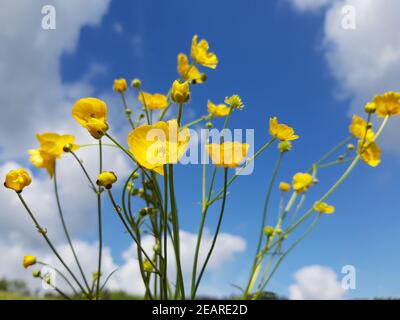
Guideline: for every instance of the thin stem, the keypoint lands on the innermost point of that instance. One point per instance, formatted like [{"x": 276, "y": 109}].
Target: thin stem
[
  {"x": 118, "y": 210},
  {"x": 333, "y": 150},
  {"x": 258, "y": 261},
  {"x": 203, "y": 217},
  {"x": 60, "y": 273},
  {"x": 127, "y": 110},
  {"x": 175, "y": 226},
  {"x": 145, "y": 106},
  {"x": 305, "y": 233},
  {"x": 197, "y": 121},
  {"x": 43, "y": 232},
  {"x": 84, "y": 171},
  {"x": 99, "y": 218},
  {"x": 180, "y": 109},
  {"x": 221, "y": 214},
  {"x": 60, "y": 212},
  {"x": 56, "y": 289},
  {"x": 165, "y": 240}
]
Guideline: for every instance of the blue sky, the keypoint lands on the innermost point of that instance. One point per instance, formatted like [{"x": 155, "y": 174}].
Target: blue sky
[{"x": 274, "y": 57}]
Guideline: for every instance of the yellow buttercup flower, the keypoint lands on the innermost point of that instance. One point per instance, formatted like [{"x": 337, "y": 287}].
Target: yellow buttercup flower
[
  {"x": 120, "y": 85},
  {"x": 281, "y": 132},
  {"x": 228, "y": 154},
  {"x": 28, "y": 261},
  {"x": 158, "y": 144},
  {"x": 234, "y": 101},
  {"x": 53, "y": 144},
  {"x": 189, "y": 72},
  {"x": 323, "y": 207},
  {"x": 42, "y": 160},
  {"x": 180, "y": 92},
  {"x": 302, "y": 182},
  {"x": 284, "y": 186},
  {"x": 387, "y": 104},
  {"x": 106, "y": 179},
  {"x": 200, "y": 54},
  {"x": 360, "y": 129},
  {"x": 219, "y": 110},
  {"x": 153, "y": 101},
  {"x": 17, "y": 180},
  {"x": 370, "y": 153},
  {"x": 91, "y": 113}
]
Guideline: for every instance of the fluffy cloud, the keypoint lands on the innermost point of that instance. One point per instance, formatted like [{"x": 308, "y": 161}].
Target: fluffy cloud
[
  {"x": 227, "y": 246},
  {"x": 30, "y": 68},
  {"x": 316, "y": 283},
  {"x": 127, "y": 276},
  {"x": 364, "y": 61}
]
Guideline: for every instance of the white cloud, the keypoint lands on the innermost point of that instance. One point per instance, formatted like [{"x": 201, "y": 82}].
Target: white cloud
[
  {"x": 227, "y": 246},
  {"x": 365, "y": 61},
  {"x": 309, "y": 5},
  {"x": 30, "y": 68},
  {"x": 316, "y": 283}
]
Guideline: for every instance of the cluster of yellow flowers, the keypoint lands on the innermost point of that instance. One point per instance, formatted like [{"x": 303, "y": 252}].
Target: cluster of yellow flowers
[{"x": 157, "y": 155}]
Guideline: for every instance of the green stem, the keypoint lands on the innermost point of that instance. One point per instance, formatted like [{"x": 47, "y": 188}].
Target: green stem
[
  {"x": 84, "y": 171},
  {"x": 305, "y": 233},
  {"x": 56, "y": 289},
  {"x": 203, "y": 118},
  {"x": 175, "y": 228},
  {"x": 61, "y": 274},
  {"x": 333, "y": 150},
  {"x": 127, "y": 110},
  {"x": 140, "y": 249},
  {"x": 165, "y": 233},
  {"x": 99, "y": 218},
  {"x": 258, "y": 261},
  {"x": 180, "y": 109},
  {"x": 221, "y": 214},
  {"x": 43, "y": 233},
  {"x": 60, "y": 212},
  {"x": 203, "y": 217}
]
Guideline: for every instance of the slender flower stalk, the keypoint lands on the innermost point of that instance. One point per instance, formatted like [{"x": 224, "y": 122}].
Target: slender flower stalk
[
  {"x": 61, "y": 274},
  {"x": 100, "y": 228},
  {"x": 60, "y": 212},
  {"x": 221, "y": 214},
  {"x": 43, "y": 232},
  {"x": 257, "y": 262}
]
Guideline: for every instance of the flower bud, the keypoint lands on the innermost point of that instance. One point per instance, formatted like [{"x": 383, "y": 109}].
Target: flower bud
[
  {"x": 350, "y": 147},
  {"x": 36, "y": 273},
  {"x": 285, "y": 146},
  {"x": 135, "y": 175},
  {"x": 136, "y": 83},
  {"x": 28, "y": 261},
  {"x": 120, "y": 85},
  {"x": 68, "y": 147},
  {"x": 157, "y": 247},
  {"x": 268, "y": 231},
  {"x": 370, "y": 107},
  {"x": 106, "y": 179},
  {"x": 147, "y": 266},
  {"x": 128, "y": 111},
  {"x": 209, "y": 125},
  {"x": 180, "y": 92},
  {"x": 284, "y": 186}
]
